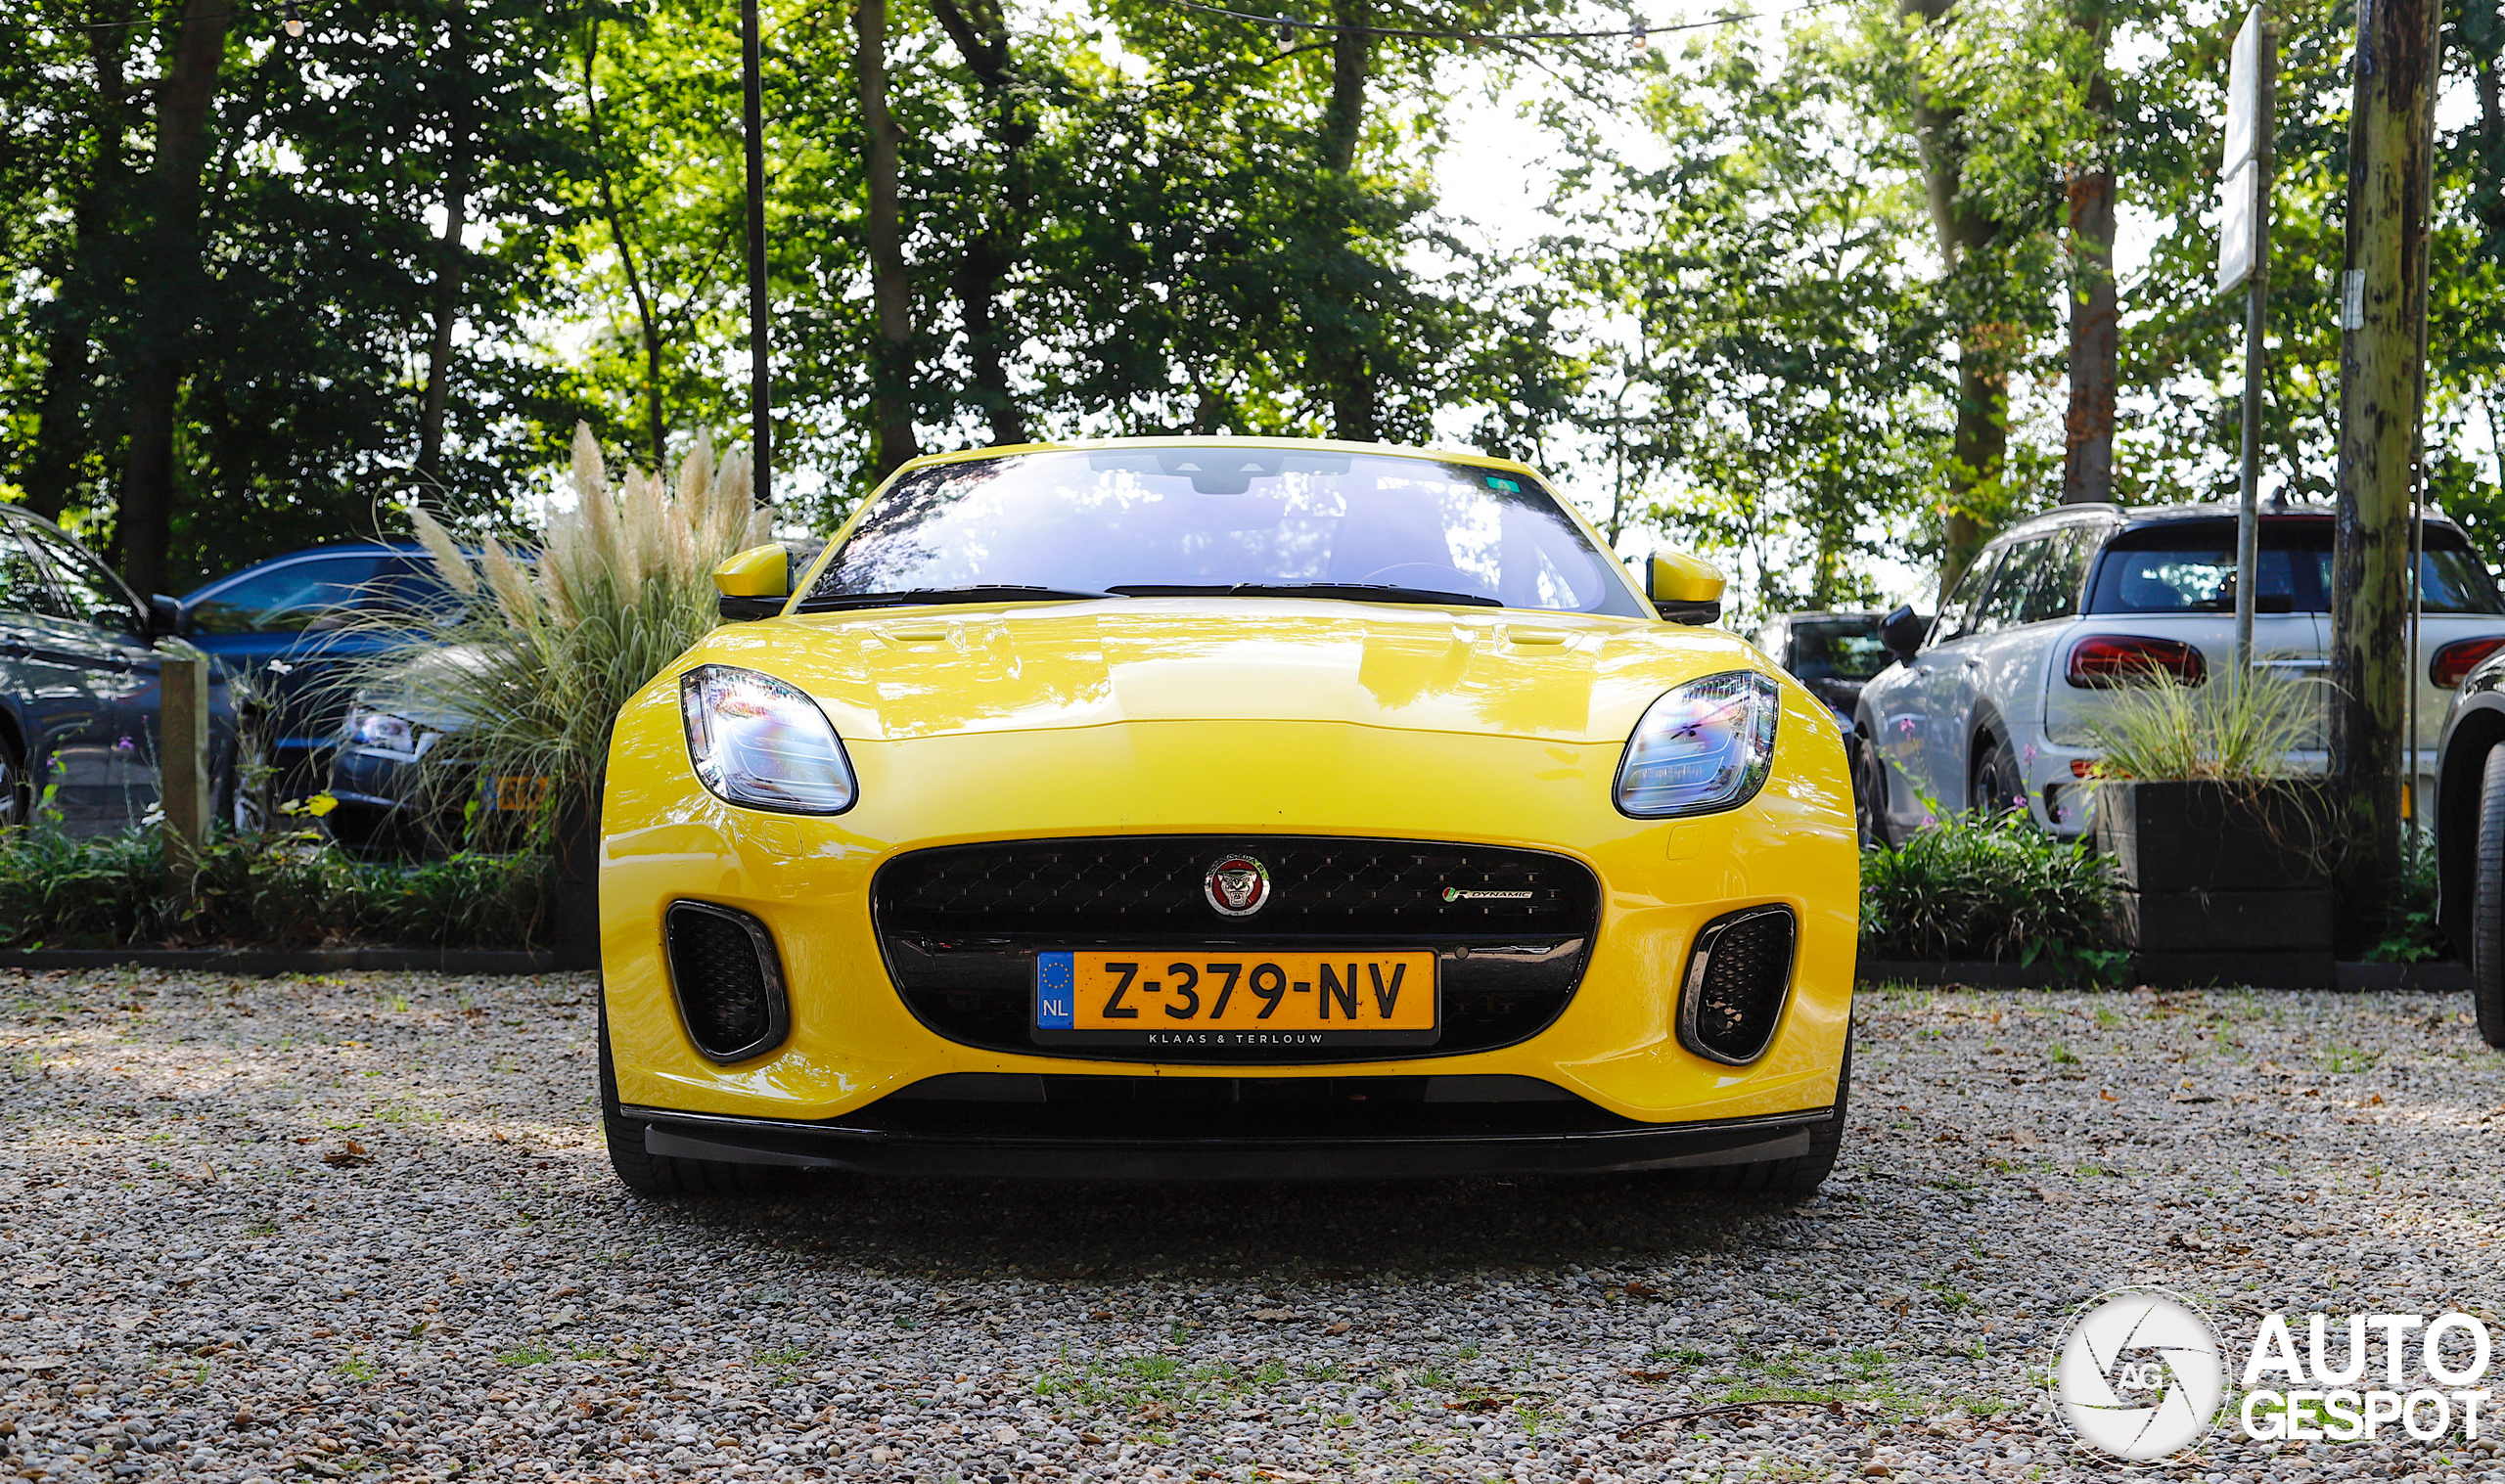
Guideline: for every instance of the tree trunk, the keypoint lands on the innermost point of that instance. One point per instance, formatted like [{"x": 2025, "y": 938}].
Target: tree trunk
[
  {"x": 169, "y": 297},
  {"x": 892, "y": 431},
  {"x": 2381, "y": 381},
  {"x": 448, "y": 263},
  {"x": 2096, "y": 337},
  {"x": 646, "y": 317},
  {"x": 65, "y": 434},
  {"x": 1980, "y": 442},
  {"x": 980, "y": 30},
  {"x": 1347, "y": 377}
]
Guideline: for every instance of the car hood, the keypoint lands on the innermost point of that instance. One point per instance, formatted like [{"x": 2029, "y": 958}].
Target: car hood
[{"x": 924, "y": 672}]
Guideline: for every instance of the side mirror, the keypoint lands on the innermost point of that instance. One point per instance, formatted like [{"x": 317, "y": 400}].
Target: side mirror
[
  {"x": 167, "y": 618},
  {"x": 755, "y": 583},
  {"x": 1684, "y": 588},
  {"x": 1902, "y": 632}
]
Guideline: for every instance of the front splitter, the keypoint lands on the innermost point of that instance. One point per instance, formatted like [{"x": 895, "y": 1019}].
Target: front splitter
[{"x": 793, "y": 1145}]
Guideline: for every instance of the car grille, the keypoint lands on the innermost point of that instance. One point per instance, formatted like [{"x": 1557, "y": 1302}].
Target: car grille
[{"x": 961, "y": 925}]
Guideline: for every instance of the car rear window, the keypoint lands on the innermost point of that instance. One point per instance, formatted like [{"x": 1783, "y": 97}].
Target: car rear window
[
  {"x": 2188, "y": 566},
  {"x": 1838, "y": 649}
]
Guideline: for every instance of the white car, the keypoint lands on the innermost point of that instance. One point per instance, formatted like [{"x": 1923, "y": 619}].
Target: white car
[{"x": 1990, "y": 706}]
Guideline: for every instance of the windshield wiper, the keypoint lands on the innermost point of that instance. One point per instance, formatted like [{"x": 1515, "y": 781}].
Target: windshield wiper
[
  {"x": 972, "y": 592},
  {"x": 1354, "y": 592}
]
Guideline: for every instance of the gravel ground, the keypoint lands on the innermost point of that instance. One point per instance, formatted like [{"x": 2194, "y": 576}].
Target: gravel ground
[{"x": 359, "y": 1226}]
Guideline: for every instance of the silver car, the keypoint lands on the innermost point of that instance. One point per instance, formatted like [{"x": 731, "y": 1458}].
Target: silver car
[{"x": 1989, "y": 705}]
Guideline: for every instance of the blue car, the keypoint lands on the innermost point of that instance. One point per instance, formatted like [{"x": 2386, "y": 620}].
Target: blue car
[{"x": 289, "y": 621}]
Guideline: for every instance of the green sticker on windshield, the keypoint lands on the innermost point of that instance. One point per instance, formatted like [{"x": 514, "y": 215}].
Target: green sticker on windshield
[{"x": 1507, "y": 486}]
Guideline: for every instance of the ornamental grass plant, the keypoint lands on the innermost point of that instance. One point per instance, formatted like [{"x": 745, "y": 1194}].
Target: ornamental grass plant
[
  {"x": 528, "y": 675},
  {"x": 2163, "y": 731}
]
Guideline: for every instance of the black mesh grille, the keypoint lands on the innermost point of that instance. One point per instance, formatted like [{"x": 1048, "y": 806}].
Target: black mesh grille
[
  {"x": 1736, "y": 982},
  {"x": 961, "y": 925},
  {"x": 730, "y": 988},
  {"x": 1141, "y": 884}
]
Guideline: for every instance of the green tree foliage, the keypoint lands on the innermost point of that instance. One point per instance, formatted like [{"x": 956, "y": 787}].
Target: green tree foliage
[
  {"x": 1800, "y": 298},
  {"x": 305, "y": 338}
]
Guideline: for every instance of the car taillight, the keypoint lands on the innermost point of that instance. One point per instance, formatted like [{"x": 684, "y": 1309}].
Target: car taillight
[
  {"x": 2458, "y": 659},
  {"x": 2102, "y": 662}
]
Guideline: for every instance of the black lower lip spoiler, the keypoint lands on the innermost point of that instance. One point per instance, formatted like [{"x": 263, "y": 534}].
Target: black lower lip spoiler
[{"x": 792, "y": 1145}]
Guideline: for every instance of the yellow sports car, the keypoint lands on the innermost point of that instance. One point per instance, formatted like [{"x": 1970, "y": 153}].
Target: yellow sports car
[{"x": 1226, "y": 807}]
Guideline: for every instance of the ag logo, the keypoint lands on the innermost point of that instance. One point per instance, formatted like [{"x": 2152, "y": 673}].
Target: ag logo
[
  {"x": 2139, "y": 1374},
  {"x": 1237, "y": 886}
]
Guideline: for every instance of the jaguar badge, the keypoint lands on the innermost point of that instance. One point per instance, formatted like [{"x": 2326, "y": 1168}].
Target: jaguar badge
[{"x": 1237, "y": 886}]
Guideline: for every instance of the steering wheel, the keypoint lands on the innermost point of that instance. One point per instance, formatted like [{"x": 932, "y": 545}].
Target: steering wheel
[{"x": 1447, "y": 579}]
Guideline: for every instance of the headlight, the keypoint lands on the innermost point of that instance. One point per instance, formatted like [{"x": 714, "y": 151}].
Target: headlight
[
  {"x": 380, "y": 730},
  {"x": 1703, "y": 746},
  {"x": 760, "y": 741}
]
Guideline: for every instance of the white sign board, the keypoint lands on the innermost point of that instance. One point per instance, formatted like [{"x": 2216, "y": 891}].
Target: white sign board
[
  {"x": 2239, "y": 225},
  {"x": 2244, "y": 94},
  {"x": 2239, "y": 168}
]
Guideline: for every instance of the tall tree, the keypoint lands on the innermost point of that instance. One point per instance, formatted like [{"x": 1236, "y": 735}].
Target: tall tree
[
  {"x": 2095, "y": 301},
  {"x": 895, "y": 440},
  {"x": 170, "y": 291},
  {"x": 1965, "y": 232},
  {"x": 445, "y": 307}
]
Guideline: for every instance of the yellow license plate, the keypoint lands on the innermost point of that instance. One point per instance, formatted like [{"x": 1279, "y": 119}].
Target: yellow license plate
[{"x": 1162, "y": 995}]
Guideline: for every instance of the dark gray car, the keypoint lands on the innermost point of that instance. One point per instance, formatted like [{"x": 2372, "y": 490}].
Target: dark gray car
[{"x": 78, "y": 701}]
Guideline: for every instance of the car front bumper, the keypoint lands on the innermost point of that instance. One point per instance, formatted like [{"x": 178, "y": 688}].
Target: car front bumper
[{"x": 852, "y": 1040}]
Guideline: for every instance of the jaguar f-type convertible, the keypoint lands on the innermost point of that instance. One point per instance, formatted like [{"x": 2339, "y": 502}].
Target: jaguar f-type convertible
[{"x": 1244, "y": 808}]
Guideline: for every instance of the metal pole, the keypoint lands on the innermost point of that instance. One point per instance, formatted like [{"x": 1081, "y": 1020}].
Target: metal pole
[
  {"x": 760, "y": 387},
  {"x": 2256, "y": 298}
]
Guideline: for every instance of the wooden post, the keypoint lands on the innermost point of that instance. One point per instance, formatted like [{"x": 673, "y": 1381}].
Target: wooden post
[
  {"x": 182, "y": 759},
  {"x": 2382, "y": 313}
]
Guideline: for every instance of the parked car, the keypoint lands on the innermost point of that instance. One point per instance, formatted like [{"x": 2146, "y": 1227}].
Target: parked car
[
  {"x": 2469, "y": 818},
  {"x": 288, "y": 623},
  {"x": 1990, "y": 703},
  {"x": 78, "y": 687},
  {"x": 1086, "y": 808},
  {"x": 1832, "y": 654}
]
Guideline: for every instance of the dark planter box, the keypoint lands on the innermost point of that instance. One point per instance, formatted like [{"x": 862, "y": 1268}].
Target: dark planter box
[
  {"x": 2216, "y": 837},
  {"x": 2216, "y": 875},
  {"x": 2225, "y": 921}
]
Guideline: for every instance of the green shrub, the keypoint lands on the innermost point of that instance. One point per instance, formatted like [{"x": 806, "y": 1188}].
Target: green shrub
[
  {"x": 1973, "y": 886},
  {"x": 2411, "y": 933},
  {"x": 260, "y": 891}
]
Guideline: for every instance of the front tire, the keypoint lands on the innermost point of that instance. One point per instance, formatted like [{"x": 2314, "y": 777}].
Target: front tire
[
  {"x": 1801, "y": 1174},
  {"x": 1869, "y": 791},
  {"x": 663, "y": 1177},
  {"x": 17, "y": 786},
  {"x": 2488, "y": 903},
  {"x": 1997, "y": 787}
]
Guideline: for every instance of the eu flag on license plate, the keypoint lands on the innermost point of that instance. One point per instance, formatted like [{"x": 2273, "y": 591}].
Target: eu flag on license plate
[{"x": 1055, "y": 991}]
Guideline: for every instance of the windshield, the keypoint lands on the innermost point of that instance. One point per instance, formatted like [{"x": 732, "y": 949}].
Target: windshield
[
  {"x": 2189, "y": 568},
  {"x": 1201, "y": 518},
  {"x": 1838, "y": 648}
]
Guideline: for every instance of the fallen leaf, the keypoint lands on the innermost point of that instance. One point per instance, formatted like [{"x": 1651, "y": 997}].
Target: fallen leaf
[
  {"x": 348, "y": 1156},
  {"x": 1340, "y": 1327},
  {"x": 1275, "y": 1316},
  {"x": 1478, "y": 1404},
  {"x": 2107, "y": 1093}
]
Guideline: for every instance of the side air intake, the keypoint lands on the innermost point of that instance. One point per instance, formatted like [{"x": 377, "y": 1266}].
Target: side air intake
[
  {"x": 1738, "y": 977},
  {"x": 729, "y": 981}
]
